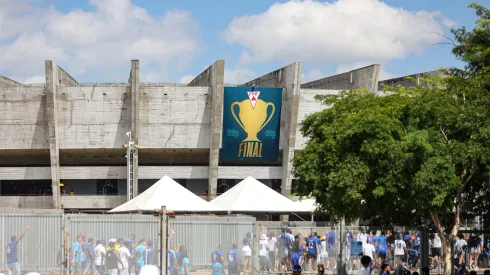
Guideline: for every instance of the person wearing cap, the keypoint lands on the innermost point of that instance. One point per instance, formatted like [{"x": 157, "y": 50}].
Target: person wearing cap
[
  {"x": 12, "y": 263},
  {"x": 263, "y": 252},
  {"x": 99, "y": 257},
  {"x": 111, "y": 259}
]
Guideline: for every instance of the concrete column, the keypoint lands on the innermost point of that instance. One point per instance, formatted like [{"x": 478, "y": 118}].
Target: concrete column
[
  {"x": 134, "y": 80},
  {"x": 366, "y": 77},
  {"x": 214, "y": 76},
  {"x": 52, "y": 82},
  {"x": 288, "y": 78}
]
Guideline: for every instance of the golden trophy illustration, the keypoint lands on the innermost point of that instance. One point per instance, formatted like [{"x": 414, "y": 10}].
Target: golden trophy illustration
[{"x": 252, "y": 120}]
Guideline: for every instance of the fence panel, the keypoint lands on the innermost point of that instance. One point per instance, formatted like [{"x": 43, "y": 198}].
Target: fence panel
[
  {"x": 38, "y": 249},
  {"x": 201, "y": 235},
  {"x": 117, "y": 226}
]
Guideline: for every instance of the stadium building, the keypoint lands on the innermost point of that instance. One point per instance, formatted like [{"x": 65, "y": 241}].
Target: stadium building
[{"x": 65, "y": 144}]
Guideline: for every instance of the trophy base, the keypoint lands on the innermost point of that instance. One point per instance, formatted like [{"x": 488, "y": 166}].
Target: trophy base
[{"x": 251, "y": 139}]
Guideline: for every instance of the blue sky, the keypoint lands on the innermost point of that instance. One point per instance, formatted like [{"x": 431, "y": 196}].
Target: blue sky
[{"x": 94, "y": 40}]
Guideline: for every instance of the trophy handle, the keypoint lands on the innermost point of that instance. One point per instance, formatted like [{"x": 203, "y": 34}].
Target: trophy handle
[
  {"x": 233, "y": 113},
  {"x": 270, "y": 117}
]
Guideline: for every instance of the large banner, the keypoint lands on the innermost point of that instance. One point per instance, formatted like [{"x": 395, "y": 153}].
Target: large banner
[{"x": 251, "y": 123}]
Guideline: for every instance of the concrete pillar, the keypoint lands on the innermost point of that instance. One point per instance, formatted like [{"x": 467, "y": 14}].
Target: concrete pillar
[
  {"x": 288, "y": 78},
  {"x": 214, "y": 77},
  {"x": 134, "y": 80},
  {"x": 366, "y": 77},
  {"x": 50, "y": 92}
]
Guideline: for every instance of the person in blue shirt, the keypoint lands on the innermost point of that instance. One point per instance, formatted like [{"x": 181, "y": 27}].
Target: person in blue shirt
[
  {"x": 331, "y": 236},
  {"x": 217, "y": 268},
  {"x": 12, "y": 262},
  {"x": 78, "y": 256},
  {"x": 139, "y": 254},
  {"x": 233, "y": 261},
  {"x": 89, "y": 262},
  {"x": 385, "y": 269},
  {"x": 173, "y": 266},
  {"x": 382, "y": 247},
  {"x": 217, "y": 254},
  {"x": 313, "y": 244},
  {"x": 185, "y": 264},
  {"x": 296, "y": 255},
  {"x": 149, "y": 253}
]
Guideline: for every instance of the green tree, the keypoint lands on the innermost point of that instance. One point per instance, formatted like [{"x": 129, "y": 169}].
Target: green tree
[{"x": 414, "y": 156}]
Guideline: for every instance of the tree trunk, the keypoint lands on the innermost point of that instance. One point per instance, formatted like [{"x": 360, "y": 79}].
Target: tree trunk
[
  {"x": 447, "y": 241},
  {"x": 447, "y": 251}
]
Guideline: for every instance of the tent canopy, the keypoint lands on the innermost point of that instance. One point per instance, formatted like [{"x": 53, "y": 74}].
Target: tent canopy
[
  {"x": 167, "y": 192},
  {"x": 306, "y": 205},
  {"x": 250, "y": 195}
]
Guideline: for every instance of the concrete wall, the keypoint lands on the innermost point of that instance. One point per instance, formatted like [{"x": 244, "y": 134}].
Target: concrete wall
[
  {"x": 23, "y": 123},
  {"x": 93, "y": 116},
  {"x": 366, "y": 77},
  {"x": 34, "y": 202},
  {"x": 307, "y": 106},
  {"x": 174, "y": 117},
  {"x": 410, "y": 80},
  {"x": 92, "y": 202}
]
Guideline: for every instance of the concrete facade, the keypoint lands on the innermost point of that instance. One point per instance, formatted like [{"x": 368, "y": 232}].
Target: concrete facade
[{"x": 73, "y": 133}]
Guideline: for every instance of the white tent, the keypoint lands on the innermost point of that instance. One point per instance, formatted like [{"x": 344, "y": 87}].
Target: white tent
[
  {"x": 306, "y": 205},
  {"x": 250, "y": 195},
  {"x": 167, "y": 192}
]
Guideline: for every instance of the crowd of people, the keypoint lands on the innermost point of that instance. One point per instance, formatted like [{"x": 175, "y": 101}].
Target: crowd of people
[{"x": 122, "y": 256}]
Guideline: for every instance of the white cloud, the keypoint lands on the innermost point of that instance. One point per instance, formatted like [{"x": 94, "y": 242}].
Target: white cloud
[
  {"x": 239, "y": 75},
  {"x": 313, "y": 74},
  {"x": 186, "y": 79},
  {"x": 340, "y": 32},
  {"x": 106, "y": 38},
  {"x": 35, "y": 79},
  {"x": 383, "y": 74},
  {"x": 245, "y": 58}
]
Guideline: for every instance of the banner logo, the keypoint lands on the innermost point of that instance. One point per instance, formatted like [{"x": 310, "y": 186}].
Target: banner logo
[{"x": 252, "y": 115}]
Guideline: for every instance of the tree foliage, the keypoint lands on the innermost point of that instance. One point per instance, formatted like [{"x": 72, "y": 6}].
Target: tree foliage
[{"x": 411, "y": 156}]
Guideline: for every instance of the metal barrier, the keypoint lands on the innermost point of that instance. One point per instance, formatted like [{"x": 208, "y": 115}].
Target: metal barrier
[
  {"x": 38, "y": 249},
  {"x": 200, "y": 236}
]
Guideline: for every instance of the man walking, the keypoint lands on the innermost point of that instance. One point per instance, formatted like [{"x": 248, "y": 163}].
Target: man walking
[{"x": 12, "y": 263}]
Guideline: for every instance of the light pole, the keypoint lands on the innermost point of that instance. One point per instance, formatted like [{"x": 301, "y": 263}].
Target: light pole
[{"x": 130, "y": 149}]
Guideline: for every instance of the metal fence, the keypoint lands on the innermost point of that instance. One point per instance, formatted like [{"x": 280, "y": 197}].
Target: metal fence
[
  {"x": 200, "y": 236},
  {"x": 38, "y": 249}
]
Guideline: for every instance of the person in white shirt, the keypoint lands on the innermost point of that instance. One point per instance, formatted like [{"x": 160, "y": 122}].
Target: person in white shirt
[
  {"x": 124, "y": 257},
  {"x": 263, "y": 252},
  {"x": 365, "y": 266},
  {"x": 363, "y": 238},
  {"x": 436, "y": 249},
  {"x": 460, "y": 244},
  {"x": 400, "y": 250},
  {"x": 369, "y": 250},
  {"x": 272, "y": 245},
  {"x": 99, "y": 255},
  {"x": 323, "y": 252}
]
